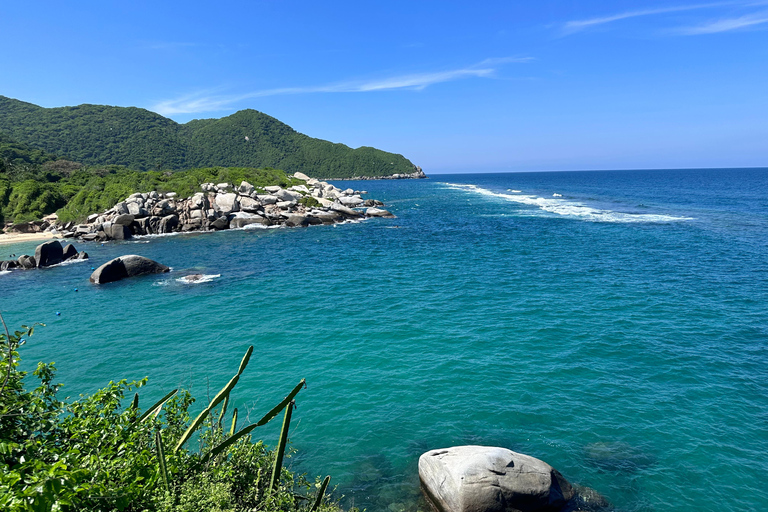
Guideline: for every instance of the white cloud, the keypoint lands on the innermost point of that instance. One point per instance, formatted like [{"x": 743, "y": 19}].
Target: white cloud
[
  {"x": 571, "y": 27},
  {"x": 726, "y": 25},
  {"x": 205, "y": 101}
]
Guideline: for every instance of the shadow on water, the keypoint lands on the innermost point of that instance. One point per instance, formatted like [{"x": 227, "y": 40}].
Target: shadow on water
[{"x": 378, "y": 486}]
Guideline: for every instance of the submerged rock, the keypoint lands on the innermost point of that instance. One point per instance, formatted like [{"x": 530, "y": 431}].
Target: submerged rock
[
  {"x": 130, "y": 265},
  {"x": 490, "y": 479}
]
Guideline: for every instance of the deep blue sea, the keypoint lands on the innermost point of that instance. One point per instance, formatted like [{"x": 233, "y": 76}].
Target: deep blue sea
[{"x": 613, "y": 324}]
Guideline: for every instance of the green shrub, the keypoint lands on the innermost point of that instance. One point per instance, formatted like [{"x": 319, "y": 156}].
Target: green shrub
[{"x": 97, "y": 453}]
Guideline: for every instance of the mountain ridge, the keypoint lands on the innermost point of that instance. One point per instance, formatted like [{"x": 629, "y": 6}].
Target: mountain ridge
[{"x": 144, "y": 140}]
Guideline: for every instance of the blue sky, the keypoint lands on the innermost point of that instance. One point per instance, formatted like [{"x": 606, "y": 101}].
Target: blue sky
[{"x": 453, "y": 86}]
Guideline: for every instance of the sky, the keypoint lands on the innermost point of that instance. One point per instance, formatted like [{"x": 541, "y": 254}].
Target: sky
[{"x": 453, "y": 86}]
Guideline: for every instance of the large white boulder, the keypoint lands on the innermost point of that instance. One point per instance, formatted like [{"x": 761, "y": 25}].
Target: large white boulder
[
  {"x": 227, "y": 203},
  {"x": 351, "y": 201},
  {"x": 249, "y": 205},
  {"x": 490, "y": 479}
]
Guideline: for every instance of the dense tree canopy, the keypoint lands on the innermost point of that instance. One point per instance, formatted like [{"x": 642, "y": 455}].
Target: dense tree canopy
[{"x": 142, "y": 140}]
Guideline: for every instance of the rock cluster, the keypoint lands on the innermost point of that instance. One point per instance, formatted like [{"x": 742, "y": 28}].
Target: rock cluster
[
  {"x": 415, "y": 175},
  {"x": 224, "y": 206},
  {"x": 46, "y": 254},
  {"x": 491, "y": 479}
]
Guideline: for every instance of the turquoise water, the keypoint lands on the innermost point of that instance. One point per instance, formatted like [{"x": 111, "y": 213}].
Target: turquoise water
[{"x": 617, "y": 331}]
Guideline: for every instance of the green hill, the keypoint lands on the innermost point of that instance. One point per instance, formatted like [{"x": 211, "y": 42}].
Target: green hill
[{"x": 142, "y": 140}]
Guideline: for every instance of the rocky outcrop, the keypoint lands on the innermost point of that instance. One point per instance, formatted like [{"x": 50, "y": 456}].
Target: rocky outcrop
[
  {"x": 418, "y": 174},
  {"x": 131, "y": 265},
  {"x": 489, "y": 479},
  {"x": 46, "y": 254},
  {"x": 225, "y": 206}
]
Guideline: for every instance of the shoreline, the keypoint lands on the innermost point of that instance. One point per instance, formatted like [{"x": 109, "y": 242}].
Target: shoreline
[{"x": 13, "y": 238}]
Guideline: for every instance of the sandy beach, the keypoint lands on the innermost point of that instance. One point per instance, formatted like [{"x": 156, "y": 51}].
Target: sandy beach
[{"x": 12, "y": 238}]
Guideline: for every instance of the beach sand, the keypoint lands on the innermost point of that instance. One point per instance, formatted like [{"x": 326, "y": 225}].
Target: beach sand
[{"x": 13, "y": 238}]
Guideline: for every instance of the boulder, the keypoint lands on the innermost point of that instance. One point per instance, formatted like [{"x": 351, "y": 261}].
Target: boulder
[
  {"x": 327, "y": 217},
  {"x": 272, "y": 188},
  {"x": 168, "y": 224},
  {"x": 287, "y": 195},
  {"x": 377, "y": 212},
  {"x": 126, "y": 266},
  {"x": 69, "y": 252},
  {"x": 27, "y": 262},
  {"x": 227, "y": 203},
  {"x": 351, "y": 201},
  {"x": 490, "y": 479},
  {"x": 124, "y": 219},
  {"x": 24, "y": 227},
  {"x": 266, "y": 199},
  {"x": 198, "y": 202},
  {"x": 220, "y": 223},
  {"x": 349, "y": 212},
  {"x": 192, "y": 225},
  {"x": 118, "y": 232},
  {"x": 301, "y": 176},
  {"x": 136, "y": 210},
  {"x": 8, "y": 264},
  {"x": 297, "y": 220},
  {"x": 49, "y": 253},
  {"x": 245, "y": 188},
  {"x": 82, "y": 255},
  {"x": 121, "y": 208},
  {"x": 242, "y": 219},
  {"x": 249, "y": 205},
  {"x": 285, "y": 205}
]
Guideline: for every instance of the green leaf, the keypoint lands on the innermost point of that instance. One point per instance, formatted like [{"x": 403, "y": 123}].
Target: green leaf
[
  {"x": 157, "y": 405},
  {"x": 279, "y": 407},
  {"x": 321, "y": 493}
]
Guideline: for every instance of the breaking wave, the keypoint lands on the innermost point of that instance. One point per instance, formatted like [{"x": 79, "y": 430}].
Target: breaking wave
[{"x": 559, "y": 206}]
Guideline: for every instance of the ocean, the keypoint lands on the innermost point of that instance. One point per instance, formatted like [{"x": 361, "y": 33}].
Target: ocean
[{"x": 613, "y": 324}]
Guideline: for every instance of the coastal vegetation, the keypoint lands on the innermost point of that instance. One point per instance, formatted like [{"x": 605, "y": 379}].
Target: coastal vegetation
[
  {"x": 99, "y": 135},
  {"x": 34, "y": 183},
  {"x": 105, "y": 452}
]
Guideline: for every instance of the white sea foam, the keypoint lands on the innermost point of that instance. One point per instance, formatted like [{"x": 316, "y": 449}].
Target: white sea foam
[
  {"x": 3, "y": 272},
  {"x": 568, "y": 208},
  {"x": 141, "y": 238},
  {"x": 198, "y": 278}
]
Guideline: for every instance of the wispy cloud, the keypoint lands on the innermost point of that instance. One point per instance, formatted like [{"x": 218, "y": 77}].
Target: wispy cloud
[
  {"x": 206, "y": 101},
  {"x": 571, "y": 27},
  {"x": 725, "y": 25}
]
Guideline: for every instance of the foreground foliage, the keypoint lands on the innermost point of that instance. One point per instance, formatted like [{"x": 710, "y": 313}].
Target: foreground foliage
[{"x": 99, "y": 454}]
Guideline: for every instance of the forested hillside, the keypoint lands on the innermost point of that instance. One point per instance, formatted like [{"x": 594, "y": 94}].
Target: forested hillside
[{"x": 142, "y": 140}]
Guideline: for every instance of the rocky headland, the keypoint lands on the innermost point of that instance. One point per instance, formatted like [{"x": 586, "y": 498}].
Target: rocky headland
[
  {"x": 418, "y": 174},
  {"x": 221, "y": 206}
]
